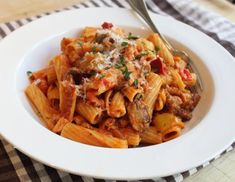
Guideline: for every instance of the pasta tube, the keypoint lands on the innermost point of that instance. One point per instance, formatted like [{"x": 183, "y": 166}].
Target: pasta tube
[
  {"x": 117, "y": 107},
  {"x": 169, "y": 125},
  {"x": 60, "y": 125},
  {"x": 39, "y": 100},
  {"x": 92, "y": 137},
  {"x": 177, "y": 79},
  {"x": 163, "y": 50},
  {"x": 161, "y": 100},
  {"x": 151, "y": 136},
  {"x": 61, "y": 67},
  {"x": 53, "y": 93},
  {"x": 89, "y": 112},
  {"x": 171, "y": 133},
  {"x": 67, "y": 99},
  {"x": 112, "y": 126},
  {"x": 51, "y": 74},
  {"x": 89, "y": 33},
  {"x": 43, "y": 73},
  {"x": 132, "y": 137},
  {"x": 64, "y": 42},
  {"x": 131, "y": 92},
  {"x": 154, "y": 82},
  {"x": 79, "y": 120}
]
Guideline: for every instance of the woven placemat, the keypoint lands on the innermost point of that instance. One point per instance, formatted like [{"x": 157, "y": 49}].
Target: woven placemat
[{"x": 15, "y": 166}]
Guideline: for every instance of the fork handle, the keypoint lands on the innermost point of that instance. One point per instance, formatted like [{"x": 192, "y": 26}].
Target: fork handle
[{"x": 140, "y": 7}]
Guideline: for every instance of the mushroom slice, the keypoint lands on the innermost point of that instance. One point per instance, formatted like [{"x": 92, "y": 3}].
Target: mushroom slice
[{"x": 138, "y": 115}]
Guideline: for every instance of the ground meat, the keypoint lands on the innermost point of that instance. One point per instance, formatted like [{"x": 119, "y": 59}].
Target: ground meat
[
  {"x": 181, "y": 103},
  {"x": 185, "y": 114},
  {"x": 192, "y": 103},
  {"x": 173, "y": 103},
  {"x": 185, "y": 96}
]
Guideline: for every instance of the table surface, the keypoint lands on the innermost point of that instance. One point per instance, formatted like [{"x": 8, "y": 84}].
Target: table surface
[{"x": 222, "y": 169}]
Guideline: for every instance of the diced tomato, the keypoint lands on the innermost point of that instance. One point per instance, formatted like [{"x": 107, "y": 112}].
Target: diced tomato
[
  {"x": 185, "y": 74},
  {"x": 158, "y": 66},
  {"x": 107, "y": 25}
]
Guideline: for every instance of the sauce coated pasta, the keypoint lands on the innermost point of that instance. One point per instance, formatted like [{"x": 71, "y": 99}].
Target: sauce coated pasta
[{"x": 114, "y": 89}]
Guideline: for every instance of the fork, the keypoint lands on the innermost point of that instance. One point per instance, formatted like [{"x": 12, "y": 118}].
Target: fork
[{"x": 140, "y": 8}]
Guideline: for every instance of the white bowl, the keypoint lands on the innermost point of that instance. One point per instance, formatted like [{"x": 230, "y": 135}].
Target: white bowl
[{"x": 209, "y": 132}]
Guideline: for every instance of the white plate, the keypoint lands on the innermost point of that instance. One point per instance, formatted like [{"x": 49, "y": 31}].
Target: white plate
[{"x": 208, "y": 134}]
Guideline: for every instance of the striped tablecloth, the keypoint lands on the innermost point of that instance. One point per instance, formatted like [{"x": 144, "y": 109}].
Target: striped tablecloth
[{"x": 15, "y": 166}]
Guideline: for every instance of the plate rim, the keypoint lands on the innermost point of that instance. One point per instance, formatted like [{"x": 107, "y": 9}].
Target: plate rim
[{"x": 89, "y": 147}]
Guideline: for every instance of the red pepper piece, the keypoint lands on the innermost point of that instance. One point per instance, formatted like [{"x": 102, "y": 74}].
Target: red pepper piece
[
  {"x": 158, "y": 66},
  {"x": 107, "y": 25},
  {"x": 185, "y": 74}
]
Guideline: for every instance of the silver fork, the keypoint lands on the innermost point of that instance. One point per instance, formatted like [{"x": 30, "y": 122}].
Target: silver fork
[{"x": 140, "y": 8}]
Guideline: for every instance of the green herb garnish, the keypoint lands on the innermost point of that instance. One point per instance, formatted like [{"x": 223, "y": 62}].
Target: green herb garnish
[
  {"x": 138, "y": 96},
  {"x": 132, "y": 37},
  {"x": 136, "y": 82},
  {"x": 120, "y": 63},
  {"x": 94, "y": 49},
  {"x": 124, "y": 43},
  {"x": 80, "y": 43},
  {"x": 122, "y": 60},
  {"x": 141, "y": 54},
  {"x": 101, "y": 76},
  {"x": 157, "y": 49},
  {"x": 126, "y": 73},
  {"x": 122, "y": 66}
]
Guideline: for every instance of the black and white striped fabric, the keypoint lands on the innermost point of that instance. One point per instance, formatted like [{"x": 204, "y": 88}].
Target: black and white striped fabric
[{"x": 15, "y": 166}]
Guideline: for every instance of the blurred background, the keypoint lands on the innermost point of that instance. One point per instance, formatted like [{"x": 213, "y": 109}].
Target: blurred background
[{"x": 16, "y": 9}]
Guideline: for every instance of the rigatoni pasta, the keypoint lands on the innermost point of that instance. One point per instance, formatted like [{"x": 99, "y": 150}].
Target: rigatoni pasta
[
  {"x": 111, "y": 89},
  {"x": 92, "y": 137},
  {"x": 41, "y": 103},
  {"x": 154, "y": 82},
  {"x": 117, "y": 107},
  {"x": 88, "y": 111}
]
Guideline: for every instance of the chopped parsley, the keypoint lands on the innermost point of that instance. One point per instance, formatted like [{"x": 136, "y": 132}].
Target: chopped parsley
[
  {"x": 124, "y": 44},
  {"x": 101, "y": 76},
  {"x": 120, "y": 63},
  {"x": 132, "y": 37},
  {"x": 136, "y": 82},
  {"x": 138, "y": 96},
  {"x": 141, "y": 54},
  {"x": 126, "y": 73},
  {"x": 80, "y": 43},
  {"x": 157, "y": 49},
  {"x": 122, "y": 60},
  {"x": 94, "y": 49},
  {"x": 122, "y": 66}
]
